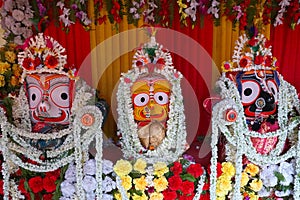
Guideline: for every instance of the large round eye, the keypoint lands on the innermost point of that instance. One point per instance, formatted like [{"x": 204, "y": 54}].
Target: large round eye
[
  {"x": 250, "y": 92},
  {"x": 141, "y": 99},
  {"x": 161, "y": 98},
  {"x": 273, "y": 88},
  {"x": 60, "y": 96},
  {"x": 34, "y": 95}
]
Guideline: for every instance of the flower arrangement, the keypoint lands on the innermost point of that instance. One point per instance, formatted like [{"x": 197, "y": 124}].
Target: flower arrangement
[
  {"x": 278, "y": 181},
  {"x": 10, "y": 72},
  {"x": 182, "y": 179}
]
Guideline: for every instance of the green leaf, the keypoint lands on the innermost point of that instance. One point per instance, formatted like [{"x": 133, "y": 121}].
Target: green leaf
[
  {"x": 279, "y": 176},
  {"x": 188, "y": 177}
]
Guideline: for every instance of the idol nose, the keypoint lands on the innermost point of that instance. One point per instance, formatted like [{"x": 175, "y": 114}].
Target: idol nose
[{"x": 44, "y": 106}]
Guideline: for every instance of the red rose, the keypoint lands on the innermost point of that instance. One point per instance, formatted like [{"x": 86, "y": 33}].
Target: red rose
[
  {"x": 47, "y": 196},
  {"x": 176, "y": 168},
  {"x": 1, "y": 187},
  {"x": 190, "y": 197},
  {"x": 51, "y": 62},
  {"x": 258, "y": 60},
  {"x": 175, "y": 182},
  {"x": 37, "y": 62},
  {"x": 205, "y": 196},
  {"x": 21, "y": 186},
  {"x": 27, "y": 64},
  {"x": 243, "y": 62},
  {"x": 268, "y": 61},
  {"x": 187, "y": 187},
  {"x": 55, "y": 173},
  {"x": 169, "y": 195},
  {"x": 195, "y": 170},
  {"x": 49, "y": 183},
  {"x": 253, "y": 42},
  {"x": 36, "y": 184}
]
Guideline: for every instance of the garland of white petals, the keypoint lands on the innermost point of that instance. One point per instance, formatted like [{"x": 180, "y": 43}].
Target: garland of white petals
[
  {"x": 239, "y": 136},
  {"x": 78, "y": 137},
  {"x": 173, "y": 144}
]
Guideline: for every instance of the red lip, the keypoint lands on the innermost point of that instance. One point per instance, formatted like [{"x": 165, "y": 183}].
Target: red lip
[{"x": 62, "y": 117}]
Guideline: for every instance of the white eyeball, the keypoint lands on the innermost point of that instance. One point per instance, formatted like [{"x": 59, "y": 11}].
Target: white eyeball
[
  {"x": 60, "y": 96},
  {"x": 250, "y": 92},
  {"x": 161, "y": 98},
  {"x": 35, "y": 96},
  {"x": 141, "y": 99}
]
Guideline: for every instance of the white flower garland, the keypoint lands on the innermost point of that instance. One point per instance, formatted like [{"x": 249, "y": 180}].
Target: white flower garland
[
  {"x": 78, "y": 137},
  {"x": 173, "y": 144},
  {"x": 239, "y": 137}
]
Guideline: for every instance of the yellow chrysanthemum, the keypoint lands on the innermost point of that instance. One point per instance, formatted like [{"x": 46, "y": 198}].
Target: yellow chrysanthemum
[
  {"x": 256, "y": 185},
  {"x": 117, "y": 196},
  {"x": 140, "y": 183},
  {"x": 2, "y": 81},
  {"x": 220, "y": 192},
  {"x": 122, "y": 167},
  {"x": 224, "y": 184},
  {"x": 160, "y": 184},
  {"x": 156, "y": 196},
  {"x": 253, "y": 196},
  {"x": 10, "y": 56},
  {"x": 251, "y": 169},
  {"x": 126, "y": 182},
  {"x": 228, "y": 169},
  {"x": 138, "y": 197},
  {"x": 160, "y": 168},
  {"x": 244, "y": 179},
  {"x": 140, "y": 165},
  {"x": 4, "y": 67}
]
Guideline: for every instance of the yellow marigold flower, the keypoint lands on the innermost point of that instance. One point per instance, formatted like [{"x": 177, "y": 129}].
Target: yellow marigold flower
[
  {"x": 10, "y": 56},
  {"x": 17, "y": 71},
  {"x": 228, "y": 168},
  {"x": 140, "y": 165},
  {"x": 160, "y": 184},
  {"x": 256, "y": 185},
  {"x": 122, "y": 167},
  {"x": 224, "y": 184},
  {"x": 3, "y": 67},
  {"x": 126, "y": 182},
  {"x": 138, "y": 197},
  {"x": 251, "y": 169},
  {"x": 156, "y": 196},
  {"x": 220, "y": 192},
  {"x": 160, "y": 168},
  {"x": 140, "y": 183},
  {"x": 244, "y": 179},
  {"x": 14, "y": 81},
  {"x": 2, "y": 81}
]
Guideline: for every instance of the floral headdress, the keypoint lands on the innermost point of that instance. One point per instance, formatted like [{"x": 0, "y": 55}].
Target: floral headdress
[
  {"x": 152, "y": 58},
  {"x": 43, "y": 54},
  {"x": 251, "y": 54}
]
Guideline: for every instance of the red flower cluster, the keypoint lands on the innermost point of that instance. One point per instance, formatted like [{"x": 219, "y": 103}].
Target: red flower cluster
[
  {"x": 31, "y": 64},
  {"x": 115, "y": 11},
  {"x": 41, "y": 186},
  {"x": 182, "y": 181}
]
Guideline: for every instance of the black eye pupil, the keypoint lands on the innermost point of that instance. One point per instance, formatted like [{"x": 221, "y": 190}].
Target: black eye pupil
[
  {"x": 143, "y": 99},
  {"x": 160, "y": 98},
  {"x": 248, "y": 92},
  {"x": 273, "y": 91},
  {"x": 33, "y": 97},
  {"x": 64, "y": 96}
]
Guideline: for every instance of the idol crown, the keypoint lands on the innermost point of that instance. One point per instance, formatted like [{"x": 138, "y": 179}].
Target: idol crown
[{"x": 251, "y": 54}]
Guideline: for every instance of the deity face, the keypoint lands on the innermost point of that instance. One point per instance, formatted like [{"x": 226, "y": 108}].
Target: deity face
[
  {"x": 150, "y": 97},
  {"x": 49, "y": 97},
  {"x": 259, "y": 92}
]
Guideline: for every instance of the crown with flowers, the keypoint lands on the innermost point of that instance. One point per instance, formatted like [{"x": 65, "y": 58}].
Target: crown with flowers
[
  {"x": 251, "y": 54},
  {"x": 43, "y": 54},
  {"x": 152, "y": 56}
]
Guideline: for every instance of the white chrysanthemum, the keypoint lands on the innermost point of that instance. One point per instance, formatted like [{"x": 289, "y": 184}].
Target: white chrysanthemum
[
  {"x": 107, "y": 167},
  {"x": 107, "y": 196},
  {"x": 268, "y": 177},
  {"x": 89, "y": 183},
  {"x": 70, "y": 174},
  {"x": 286, "y": 167},
  {"x": 282, "y": 193},
  {"x": 264, "y": 192},
  {"x": 89, "y": 167},
  {"x": 91, "y": 196},
  {"x": 108, "y": 184},
  {"x": 67, "y": 189}
]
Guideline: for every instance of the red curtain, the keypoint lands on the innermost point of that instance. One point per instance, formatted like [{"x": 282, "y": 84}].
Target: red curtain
[{"x": 286, "y": 48}]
